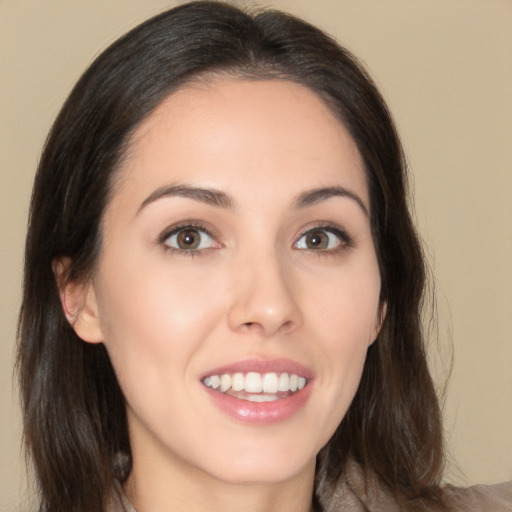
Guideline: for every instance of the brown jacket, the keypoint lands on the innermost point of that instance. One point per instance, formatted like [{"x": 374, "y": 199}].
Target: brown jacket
[{"x": 479, "y": 498}]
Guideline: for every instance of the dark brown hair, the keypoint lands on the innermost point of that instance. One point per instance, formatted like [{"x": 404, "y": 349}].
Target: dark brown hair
[{"x": 74, "y": 412}]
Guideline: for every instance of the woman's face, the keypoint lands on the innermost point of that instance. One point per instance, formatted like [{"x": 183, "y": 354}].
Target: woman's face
[{"x": 237, "y": 255}]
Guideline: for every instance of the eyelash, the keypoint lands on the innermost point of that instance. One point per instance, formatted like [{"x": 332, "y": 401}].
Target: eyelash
[
  {"x": 175, "y": 230},
  {"x": 346, "y": 241}
]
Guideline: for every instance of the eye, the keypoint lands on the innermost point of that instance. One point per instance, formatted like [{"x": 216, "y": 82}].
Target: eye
[
  {"x": 323, "y": 239},
  {"x": 189, "y": 238}
]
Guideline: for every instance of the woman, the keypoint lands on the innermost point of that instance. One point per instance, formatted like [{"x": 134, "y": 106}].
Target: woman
[{"x": 223, "y": 283}]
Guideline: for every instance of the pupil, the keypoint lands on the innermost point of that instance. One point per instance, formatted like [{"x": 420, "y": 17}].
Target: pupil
[
  {"x": 188, "y": 239},
  {"x": 315, "y": 240}
]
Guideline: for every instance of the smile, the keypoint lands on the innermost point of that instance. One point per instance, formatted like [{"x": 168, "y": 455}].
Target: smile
[
  {"x": 259, "y": 391},
  {"x": 256, "y": 387}
]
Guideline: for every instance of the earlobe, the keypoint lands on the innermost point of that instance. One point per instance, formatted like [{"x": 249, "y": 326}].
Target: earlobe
[
  {"x": 78, "y": 301},
  {"x": 381, "y": 315}
]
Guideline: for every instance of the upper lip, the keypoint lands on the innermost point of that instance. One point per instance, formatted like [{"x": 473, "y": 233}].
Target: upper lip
[{"x": 281, "y": 365}]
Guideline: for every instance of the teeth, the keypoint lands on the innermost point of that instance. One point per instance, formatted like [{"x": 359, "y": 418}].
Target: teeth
[
  {"x": 270, "y": 383},
  {"x": 284, "y": 382},
  {"x": 294, "y": 380},
  {"x": 214, "y": 381},
  {"x": 225, "y": 382},
  {"x": 261, "y": 398},
  {"x": 254, "y": 382},
  {"x": 237, "y": 382}
]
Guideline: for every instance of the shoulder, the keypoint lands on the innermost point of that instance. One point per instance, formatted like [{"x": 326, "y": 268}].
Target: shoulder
[
  {"x": 480, "y": 498},
  {"x": 353, "y": 493}
]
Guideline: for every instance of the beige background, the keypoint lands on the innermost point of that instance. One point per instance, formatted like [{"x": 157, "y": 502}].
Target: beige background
[{"x": 445, "y": 67}]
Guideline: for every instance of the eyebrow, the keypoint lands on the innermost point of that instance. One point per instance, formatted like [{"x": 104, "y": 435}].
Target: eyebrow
[
  {"x": 222, "y": 200},
  {"x": 204, "y": 195},
  {"x": 315, "y": 196}
]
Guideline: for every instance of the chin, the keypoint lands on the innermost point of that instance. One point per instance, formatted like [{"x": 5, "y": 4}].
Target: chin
[
  {"x": 267, "y": 474},
  {"x": 261, "y": 466}
]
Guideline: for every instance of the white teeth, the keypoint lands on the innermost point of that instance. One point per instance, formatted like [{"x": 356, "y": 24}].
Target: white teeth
[
  {"x": 225, "y": 382},
  {"x": 294, "y": 380},
  {"x": 262, "y": 398},
  {"x": 270, "y": 383},
  {"x": 214, "y": 381},
  {"x": 237, "y": 382},
  {"x": 284, "y": 382},
  {"x": 254, "y": 382}
]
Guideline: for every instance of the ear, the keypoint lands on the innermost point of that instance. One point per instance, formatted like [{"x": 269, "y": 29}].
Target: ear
[
  {"x": 78, "y": 300},
  {"x": 381, "y": 315}
]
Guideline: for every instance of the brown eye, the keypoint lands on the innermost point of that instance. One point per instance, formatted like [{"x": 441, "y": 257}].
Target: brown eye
[
  {"x": 323, "y": 239},
  {"x": 317, "y": 240},
  {"x": 189, "y": 239}
]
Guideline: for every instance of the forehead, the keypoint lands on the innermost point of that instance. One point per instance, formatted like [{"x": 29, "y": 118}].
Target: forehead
[{"x": 270, "y": 133}]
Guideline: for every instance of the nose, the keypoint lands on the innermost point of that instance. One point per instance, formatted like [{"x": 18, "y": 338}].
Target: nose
[{"x": 265, "y": 297}]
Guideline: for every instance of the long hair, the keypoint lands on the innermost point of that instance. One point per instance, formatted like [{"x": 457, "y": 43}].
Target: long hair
[{"x": 75, "y": 423}]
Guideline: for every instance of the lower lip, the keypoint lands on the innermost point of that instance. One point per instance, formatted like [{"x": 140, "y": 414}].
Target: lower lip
[{"x": 260, "y": 412}]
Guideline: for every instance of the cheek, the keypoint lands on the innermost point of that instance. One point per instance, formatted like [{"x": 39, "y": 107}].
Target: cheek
[
  {"x": 154, "y": 324},
  {"x": 153, "y": 317},
  {"x": 347, "y": 307},
  {"x": 346, "y": 314}
]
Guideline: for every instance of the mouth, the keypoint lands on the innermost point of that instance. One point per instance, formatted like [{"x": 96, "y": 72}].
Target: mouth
[
  {"x": 256, "y": 387},
  {"x": 259, "y": 391}
]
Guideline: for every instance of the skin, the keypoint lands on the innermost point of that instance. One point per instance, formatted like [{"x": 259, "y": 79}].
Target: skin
[{"x": 254, "y": 289}]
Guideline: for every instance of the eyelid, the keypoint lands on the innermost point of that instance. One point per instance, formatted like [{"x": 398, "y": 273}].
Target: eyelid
[
  {"x": 346, "y": 240},
  {"x": 184, "y": 225}
]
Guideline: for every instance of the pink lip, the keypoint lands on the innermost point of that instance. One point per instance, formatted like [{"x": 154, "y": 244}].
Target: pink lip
[{"x": 262, "y": 412}]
